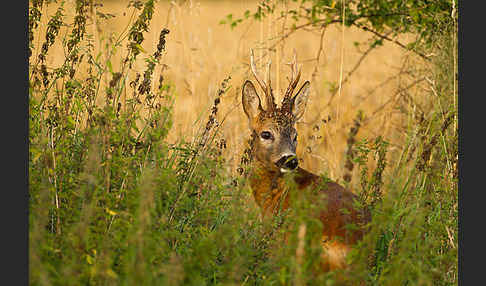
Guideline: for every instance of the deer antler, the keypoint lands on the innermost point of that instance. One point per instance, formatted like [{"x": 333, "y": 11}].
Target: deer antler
[
  {"x": 267, "y": 88},
  {"x": 294, "y": 80}
]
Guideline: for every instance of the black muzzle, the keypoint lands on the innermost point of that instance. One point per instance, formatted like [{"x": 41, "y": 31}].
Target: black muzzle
[{"x": 288, "y": 162}]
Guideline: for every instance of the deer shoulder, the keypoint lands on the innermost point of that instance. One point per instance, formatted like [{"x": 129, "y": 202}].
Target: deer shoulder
[{"x": 274, "y": 157}]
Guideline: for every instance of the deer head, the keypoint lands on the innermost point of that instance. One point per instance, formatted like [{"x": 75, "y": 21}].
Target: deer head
[{"x": 274, "y": 127}]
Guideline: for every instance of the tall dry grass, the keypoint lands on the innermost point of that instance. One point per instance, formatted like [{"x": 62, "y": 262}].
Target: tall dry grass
[
  {"x": 134, "y": 149},
  {"x": 202, "y": 52}
]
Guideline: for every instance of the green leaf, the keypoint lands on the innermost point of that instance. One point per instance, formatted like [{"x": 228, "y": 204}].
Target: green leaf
[
  {"x": 71, "y": 122},
  {"x": 109, "y": 66},
  {"x": 89, "y": 259}
]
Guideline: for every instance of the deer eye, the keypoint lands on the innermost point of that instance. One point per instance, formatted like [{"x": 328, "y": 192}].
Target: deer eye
[
  {"x": 266, "y": 135},
  {"x": 295, "y": 138}
]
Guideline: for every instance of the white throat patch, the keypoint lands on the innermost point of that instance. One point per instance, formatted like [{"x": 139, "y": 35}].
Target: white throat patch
[{"x": 285, "y": 170}]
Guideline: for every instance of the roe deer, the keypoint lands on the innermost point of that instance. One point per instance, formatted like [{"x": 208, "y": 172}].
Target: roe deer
[{"x": 273, "y": 154}]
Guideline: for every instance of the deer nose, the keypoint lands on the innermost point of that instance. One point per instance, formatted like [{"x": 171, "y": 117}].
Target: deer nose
[{"x": 288, "y": 162}]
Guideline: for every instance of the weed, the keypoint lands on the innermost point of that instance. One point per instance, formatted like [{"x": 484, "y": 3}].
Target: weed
[{"x": 115, "y": 200}]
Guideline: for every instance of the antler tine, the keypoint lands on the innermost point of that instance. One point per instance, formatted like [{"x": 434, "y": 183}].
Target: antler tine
[
  {"x": 267, "y": 88},
  {"x": 296, "y": 72},
  {"x": 270, "y": 99},
  {"x": 255, "y": 73}
]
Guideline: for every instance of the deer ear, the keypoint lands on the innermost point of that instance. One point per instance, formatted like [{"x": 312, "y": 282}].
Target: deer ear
[
  {"x": 250, "y": 100},
  {"x": 299, "y": 101}
]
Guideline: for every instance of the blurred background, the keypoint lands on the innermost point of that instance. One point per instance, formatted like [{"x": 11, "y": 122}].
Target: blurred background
[{"x": 201, "y": 51}]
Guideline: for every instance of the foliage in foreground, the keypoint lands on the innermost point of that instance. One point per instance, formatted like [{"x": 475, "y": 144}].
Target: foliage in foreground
[{"x": 112, "y": 203}]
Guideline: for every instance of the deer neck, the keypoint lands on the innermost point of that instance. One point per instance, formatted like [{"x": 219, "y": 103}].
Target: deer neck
[{"x": 268, "y": 188}]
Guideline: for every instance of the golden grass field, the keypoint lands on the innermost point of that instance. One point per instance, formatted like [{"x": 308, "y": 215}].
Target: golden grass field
[{"x": 200, "y": 53}]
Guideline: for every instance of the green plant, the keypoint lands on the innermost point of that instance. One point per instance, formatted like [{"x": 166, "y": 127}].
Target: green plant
[{"x": 112, "y": 202}]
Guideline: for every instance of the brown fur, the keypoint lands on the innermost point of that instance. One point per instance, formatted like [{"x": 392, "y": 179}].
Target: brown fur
[
  {"x": 271, "y": 195},
  {"x": 274, "y": 142}
]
